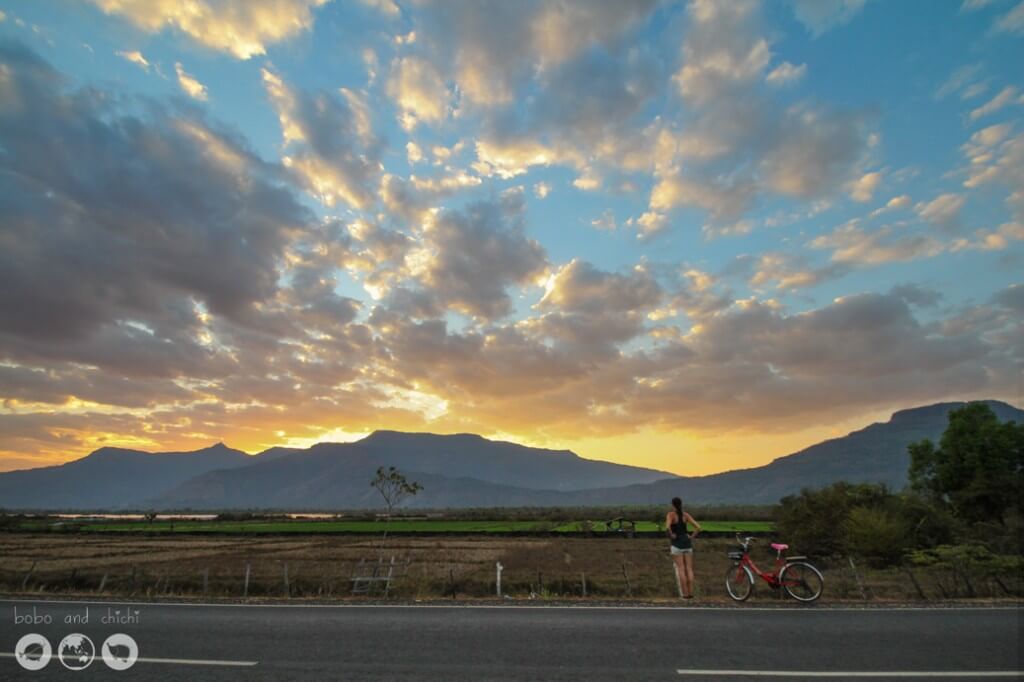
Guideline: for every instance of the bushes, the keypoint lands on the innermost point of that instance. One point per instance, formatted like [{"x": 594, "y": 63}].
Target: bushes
[
  {"x": 816, "y": 521},
  {"x": 876, "y": 534},
  {"x": 862, "y": 520}
]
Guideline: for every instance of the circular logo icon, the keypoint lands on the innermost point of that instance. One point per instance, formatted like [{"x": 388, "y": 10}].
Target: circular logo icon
[
  {"x": 33, "y": 651},
  {"x": 120, "y": 651},
  {"x": 76, "y": 651}
]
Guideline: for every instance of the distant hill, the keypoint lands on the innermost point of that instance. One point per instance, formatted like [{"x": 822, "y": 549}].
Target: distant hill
[
  {"x": 114, "y": 478},
  {"x": 875, "y": 454},
  {"x": 459, "y": 470}
]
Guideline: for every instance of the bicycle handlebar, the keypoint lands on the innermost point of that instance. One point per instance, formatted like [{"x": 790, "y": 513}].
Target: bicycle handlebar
[{"x": 746, "y": 542}]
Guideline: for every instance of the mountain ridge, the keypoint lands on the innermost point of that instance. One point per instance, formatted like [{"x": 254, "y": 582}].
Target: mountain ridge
[{"x": 457, "y": 470}]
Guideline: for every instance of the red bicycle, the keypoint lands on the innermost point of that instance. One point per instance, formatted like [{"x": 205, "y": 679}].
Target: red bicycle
[{"x": 795, "y": 575}]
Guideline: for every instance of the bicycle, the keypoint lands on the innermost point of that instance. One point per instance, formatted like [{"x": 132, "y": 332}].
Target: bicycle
[{"x": 795, "y": 575}]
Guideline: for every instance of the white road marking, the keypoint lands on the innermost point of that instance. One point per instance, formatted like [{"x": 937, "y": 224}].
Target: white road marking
[
  {"x": 834, "y": 673},
  {"x": 507, "y": 606},
  {"x": 177, "y": 661}
]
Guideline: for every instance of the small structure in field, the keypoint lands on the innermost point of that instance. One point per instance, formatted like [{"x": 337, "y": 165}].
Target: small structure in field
[{"x": 621, "y": 525}]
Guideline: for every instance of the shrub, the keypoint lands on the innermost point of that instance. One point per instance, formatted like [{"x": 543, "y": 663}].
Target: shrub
[{"x": 876, "y": 534}]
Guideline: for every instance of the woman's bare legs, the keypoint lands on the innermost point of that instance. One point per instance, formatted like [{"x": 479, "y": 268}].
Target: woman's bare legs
[
  {"x": 688, "y": 569},
  {"x": 684, "y": 582}
]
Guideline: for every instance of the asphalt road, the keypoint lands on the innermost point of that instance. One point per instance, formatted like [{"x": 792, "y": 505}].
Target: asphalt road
[{"x": 221, "y": 642}]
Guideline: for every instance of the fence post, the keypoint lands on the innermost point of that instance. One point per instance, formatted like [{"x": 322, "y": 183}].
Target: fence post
[
  {"x": 583, "y": 582},
  {"x": 856, "y": 576},
  {"x": 287, "y": 587},
  {"x": 498, "y": 568},
  {"x": 24, "y": 583},
  {"x": 245, "y": 590},
  {"x": 629, "y": 587}
]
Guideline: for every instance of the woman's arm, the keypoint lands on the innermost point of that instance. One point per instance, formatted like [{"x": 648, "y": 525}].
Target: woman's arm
[
  {"x": 669, "y": 520},
  {"x": 690, "y": 520}
]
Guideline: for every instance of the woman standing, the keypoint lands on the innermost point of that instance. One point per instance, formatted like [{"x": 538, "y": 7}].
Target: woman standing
[{"x": 682, "y": 545}]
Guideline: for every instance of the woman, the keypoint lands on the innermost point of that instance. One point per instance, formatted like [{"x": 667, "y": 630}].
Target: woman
[{"x": 682, "y": 545}]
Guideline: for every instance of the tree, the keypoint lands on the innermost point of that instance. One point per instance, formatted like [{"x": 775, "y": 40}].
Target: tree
[
  {"x": 977, "y": 471},
  {"x": 393, "y": 487}
]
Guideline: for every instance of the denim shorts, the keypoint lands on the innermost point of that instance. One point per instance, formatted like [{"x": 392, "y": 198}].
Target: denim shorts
[{"x": 673, "y": 550}]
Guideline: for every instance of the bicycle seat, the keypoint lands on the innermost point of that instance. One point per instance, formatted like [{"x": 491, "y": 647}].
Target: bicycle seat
[{"x": 779, "y": 547}]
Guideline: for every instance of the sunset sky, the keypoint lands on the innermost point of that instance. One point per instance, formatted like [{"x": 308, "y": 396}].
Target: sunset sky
[{"x": 692, "y": 236}]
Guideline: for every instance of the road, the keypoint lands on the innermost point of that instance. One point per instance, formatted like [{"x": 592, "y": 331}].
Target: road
[{"x": 222, "y": 642}]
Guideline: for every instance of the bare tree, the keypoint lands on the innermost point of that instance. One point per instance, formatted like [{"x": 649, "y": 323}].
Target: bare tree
[{"x": 394, "y": 488}]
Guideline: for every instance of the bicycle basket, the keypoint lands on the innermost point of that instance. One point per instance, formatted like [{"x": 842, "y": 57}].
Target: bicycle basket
[{"x": 735, "y": 555}]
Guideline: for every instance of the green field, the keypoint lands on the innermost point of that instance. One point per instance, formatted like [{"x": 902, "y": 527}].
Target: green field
[{"x": 370, "y": 527}]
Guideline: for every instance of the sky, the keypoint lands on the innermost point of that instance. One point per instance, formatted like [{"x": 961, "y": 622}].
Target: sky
[{"x": 693, "y": 236}]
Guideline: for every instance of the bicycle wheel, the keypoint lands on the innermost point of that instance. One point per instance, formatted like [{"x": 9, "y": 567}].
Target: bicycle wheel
[
  {"x": 738, "y": 582},
  {"x": 801, "y": 581}
]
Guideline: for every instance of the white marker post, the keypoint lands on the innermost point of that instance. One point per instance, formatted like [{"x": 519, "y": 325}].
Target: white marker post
[{"x": 498, "y": 566}]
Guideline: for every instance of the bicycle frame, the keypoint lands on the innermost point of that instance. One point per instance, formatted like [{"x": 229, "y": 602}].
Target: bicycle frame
[{"x": 771, "y": 578}]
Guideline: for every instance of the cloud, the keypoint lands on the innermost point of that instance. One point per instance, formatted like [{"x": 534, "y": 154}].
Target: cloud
[
  {"x": 786, "y": 74},
  {"x": 787, "y": 272},
  {"x": 864, "y": 189},
  {"x": 127, "y": 237},
  {"x": 329, "y": 145},
  {"x": 974, "y": 5},
  {"x": 995, "y": 156},
  {"x": 133, "y": 56},
  {"x": 1006, "y": 96},
  {"x": 492, "y": 48},
  {"x": 943, "y": 211},
  {"x": 242, "y": 28},
  {"x": 819, "y": 16},
  {"x": 585, "y": 113},
  {"x": 581, "y": 287},
  {"x": 1012, "y": 21},
  {"x": 606, "y": 221},
  {"x": 413, "y": 152},
  {"x": 916, "y": 295},
  {"x": 192, "y": 87},
  {"x": 852, "y": 245},
  {"x": 962, "y": 80},
  {"x": 991, "y": 240},
  {"x": 741, "y": 142},
  {"x": 542, "y": 190},
  {"x": 417, "y": 88},
  {"x": 469, "y": 257},
  {"x": 648, "y": 224}
]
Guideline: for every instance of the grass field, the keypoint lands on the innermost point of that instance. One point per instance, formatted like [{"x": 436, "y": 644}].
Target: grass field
[
  {"x": 320, "y": 567},
  {"x": 426, "y": 526}
]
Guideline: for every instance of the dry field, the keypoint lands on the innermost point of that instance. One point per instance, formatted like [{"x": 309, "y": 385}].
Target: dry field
[{"x": 321, "y": 567}]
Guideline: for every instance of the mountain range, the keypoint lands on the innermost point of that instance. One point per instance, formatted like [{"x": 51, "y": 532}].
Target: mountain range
[{"x": 461, "y": 470}]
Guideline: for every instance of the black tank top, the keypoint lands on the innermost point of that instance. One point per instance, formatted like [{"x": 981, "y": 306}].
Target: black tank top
[{"x": 681, "y": 539}]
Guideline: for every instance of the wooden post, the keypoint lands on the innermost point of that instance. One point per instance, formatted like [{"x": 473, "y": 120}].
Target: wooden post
[
  {"x": 287, "y": 587},
  {"x": 856, "y": 576},
  {"x": 245, "y": 590},
  {"x": 540, "y": 582},
  {"x": 451, "y": 579},
  {"x": 24, "y": 583},
  {"x": 206, "y": 580},
  {"x": 625, "y": 574},
  {"x": 583, "y": 582},
  {"x": 498, "y": 568}
]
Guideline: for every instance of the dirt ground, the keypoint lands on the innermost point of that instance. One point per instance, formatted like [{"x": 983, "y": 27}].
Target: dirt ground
[{"x": 321, "y": 567}]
